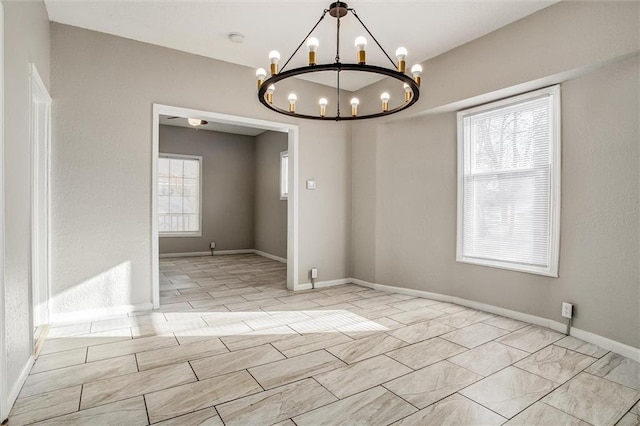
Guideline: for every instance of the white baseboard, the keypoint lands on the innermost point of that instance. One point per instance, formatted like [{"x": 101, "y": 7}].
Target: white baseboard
[
  {"x": 270, "y": 256},
  {"x": 190, "y": 254},
  {"x": 97, "y": 314},
  {"x": 320, "y": 284},
  {"x": 17, "y": 386},
  {"x": 241, "y": 251},
  {"x": 603, "y": 342},
  {"x": 223, "y": 252}
]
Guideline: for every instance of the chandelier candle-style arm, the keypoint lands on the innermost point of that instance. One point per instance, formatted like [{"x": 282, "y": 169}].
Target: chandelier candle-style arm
[{"x": 339, "y": 10}]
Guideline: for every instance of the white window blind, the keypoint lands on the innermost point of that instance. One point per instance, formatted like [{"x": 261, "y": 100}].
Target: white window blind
[
  {"x": 509, "y": 183},
  {"x": 179, "y": 195},
  {"x": 284, "y": 175}
]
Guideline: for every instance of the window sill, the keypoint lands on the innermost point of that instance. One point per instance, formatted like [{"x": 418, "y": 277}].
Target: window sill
[{"x": 536, "y": 270}]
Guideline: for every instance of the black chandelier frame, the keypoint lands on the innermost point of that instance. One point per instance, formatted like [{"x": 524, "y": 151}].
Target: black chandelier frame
[{"x": 338, "y": 10}]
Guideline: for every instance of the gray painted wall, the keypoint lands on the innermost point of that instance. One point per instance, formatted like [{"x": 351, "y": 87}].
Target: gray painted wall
[
  {"x": 404, "y": 170},
  {"x": 103, "y": 88},
  {"x": 228, "y": 186},
  {"x": 27, "y": 40},
  {"x": 271, "y": 211}
]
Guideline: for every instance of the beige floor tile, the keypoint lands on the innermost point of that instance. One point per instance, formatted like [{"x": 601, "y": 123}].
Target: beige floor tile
[
  {"x": 139, "y": 320},
  {"x": 69, "y": 330},
  {"x": 593, "y": 399},
  {"x": 427, "y": 352},
  {"x": 44, "y": 406},
  {"x": 508, "y": 391},
  {"x": 465, "y": 318},
  {"x": 275, "y": 405},
  {"x": 130, "y": 412},
  {"x": 112, "y": 350},
  {"x": 375, "y": 301},
  {"x": 453, "y": 410},
  {"x": 375, "y": 406},
  {"x": 416, "y": 315},
  {"x": 253, "y": 305},
  {"x": 258, "y": 337},
  {"x": 300, "y": 306},
  {"x": 531, "y": 338},
  {"x": 430, "y": 384},
  {"x": 310, "y": 342},
  {"x": 505, "y": 323},
  {"x": 362, "y": 375},
  {"x": 176, "y": 354},
  {"x": 184, "y": 399},
  {"x": 367, "y": 347},
  {"x": 218, "y": 301},
  {"x": 334, "y": 300},
  {"x": 287, "y": 422},
  {"x": 488, "y": 358},
  {"x": 130, "y": 385},
  {"x": 629, "y": 419},
  {"x": 636, "y": 408},
  {"x": 206, "y": 417},
  {"x": 59, "y": 360},
  {"x": 555, "y": 363},
  {"x": 581, "y": 346},
  {"x": 421, "y": 331},
  {"x": 167, "y": 328},
  {"x": 77, "y": 375},
  {"x": 233, "y": 292},
  {"x": 377, "y": 312},
  {"x": 292, "y": 369},
  {"x": 205, "y": 333},
  {"x": 234, "y": 361},
  {"x": 541, "y": 414},
  {"x": 84, "y": 340},
  {"x": 449, "y": 308},
  {"x": 474, "y": 335},
  {"x": 411, "y": 304},
  {"x": 618, "y": 369},
  {"x": 276, "y": 319}
]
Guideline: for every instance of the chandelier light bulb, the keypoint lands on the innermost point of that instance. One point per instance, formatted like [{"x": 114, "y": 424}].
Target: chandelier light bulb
[
  {"x": 312, "y": 44},
  {"x": 323, "y": 106},
  {"x": 261, "y": 74},
  {"x": 274, "y": 57},
  {"x": 416, "y": 70},
  {"x": 407, "y": 92},
  {"x": 384, "y": 97},
  {"x": 354, "y": 106},
  {"x": 195, "y": 122},
  {"x": 292, "y": 102},
  {"x": 270, "y": 91},
  {"x": 361, "y": 44},
  {"x": 401, "y": 55}
]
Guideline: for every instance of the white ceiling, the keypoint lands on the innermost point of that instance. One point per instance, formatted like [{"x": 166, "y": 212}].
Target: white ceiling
[
  {"x": 426, "y": 28},
  {"x": 212, "y": 126}
]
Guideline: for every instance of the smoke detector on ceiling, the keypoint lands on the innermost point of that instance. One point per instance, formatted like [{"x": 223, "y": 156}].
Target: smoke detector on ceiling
[{"x": 236, "y": 37}]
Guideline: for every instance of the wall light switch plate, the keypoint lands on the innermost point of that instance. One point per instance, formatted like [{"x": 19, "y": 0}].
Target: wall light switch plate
[{"x": 311, "y": 184}]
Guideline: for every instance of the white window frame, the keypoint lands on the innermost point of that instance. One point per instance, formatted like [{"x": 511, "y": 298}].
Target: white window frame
[
  {"x": 284, "y": 181},
  {"x": 197, "y": 233},
  {"x": 555, "y": 157}
]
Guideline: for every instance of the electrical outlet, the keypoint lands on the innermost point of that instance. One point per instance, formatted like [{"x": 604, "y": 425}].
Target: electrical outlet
[
  {"x": 212, "y": 245},
  {"x": 314, "y": 273},
  {"x": 567, "y": 310}
]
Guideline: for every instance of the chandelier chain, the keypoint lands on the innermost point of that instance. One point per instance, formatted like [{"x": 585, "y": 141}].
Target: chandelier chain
[
  {"x": 372, "y": 36},
  {"x": 304, "y": 39}
]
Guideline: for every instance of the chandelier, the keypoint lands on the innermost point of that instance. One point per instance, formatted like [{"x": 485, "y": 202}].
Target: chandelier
[{"x": 338, "y": 10}]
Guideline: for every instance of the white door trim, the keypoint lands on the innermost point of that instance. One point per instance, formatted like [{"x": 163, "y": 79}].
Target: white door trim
[
  {"x": 4, "y": 392},
  {"x": 40, "y": 136},
  {"x": 292, "y": 206}
]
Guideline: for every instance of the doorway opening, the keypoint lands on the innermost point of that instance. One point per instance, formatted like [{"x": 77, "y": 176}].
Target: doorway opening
[
  {"x": 40, "y": 164},
  {"x": 189, "y": 220}
]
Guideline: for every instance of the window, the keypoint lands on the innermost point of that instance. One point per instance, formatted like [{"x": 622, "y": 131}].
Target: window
[
  {"x": 179, "y": 195},
  {"x": 509, "y": 183},
  {"x": 284, "y": 175}
]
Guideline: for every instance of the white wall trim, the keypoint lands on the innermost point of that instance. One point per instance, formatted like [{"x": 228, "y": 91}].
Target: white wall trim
[
  {"x": 17, "y": 386},
  {"x": 293, "y": 204},
  {"x": 97, "y": 314},
  {"x": 604, "y": 342},
  {"x": 224, "y": 252},
  {"x": 4, "y": 397},
  {"x": 329, "y": 283},
  {"x": 270, "y": 256}
]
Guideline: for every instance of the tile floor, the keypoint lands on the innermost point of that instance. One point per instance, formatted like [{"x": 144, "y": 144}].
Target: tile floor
[{"x": 230, "y": 345}]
